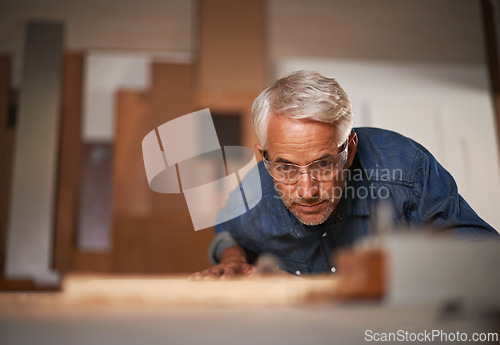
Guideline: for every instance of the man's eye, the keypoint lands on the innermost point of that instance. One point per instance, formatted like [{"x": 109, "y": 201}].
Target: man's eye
[
  {"x": 283, "y": 167},
  {"x": 323, "y": 164}
]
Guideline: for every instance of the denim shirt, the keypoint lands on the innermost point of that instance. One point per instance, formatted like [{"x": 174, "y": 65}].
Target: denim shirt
[{"x": 387, "y": 166}]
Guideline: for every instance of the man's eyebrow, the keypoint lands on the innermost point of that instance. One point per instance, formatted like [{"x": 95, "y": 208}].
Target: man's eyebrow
[
  {"x": 328, "y": 155},
  {"x": 283, "y": 160}
]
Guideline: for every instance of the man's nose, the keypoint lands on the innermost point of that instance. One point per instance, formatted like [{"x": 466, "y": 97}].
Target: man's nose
[{"x": 307, "y": 187}]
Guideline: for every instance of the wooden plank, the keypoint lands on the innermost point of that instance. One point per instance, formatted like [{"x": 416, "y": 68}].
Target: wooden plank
[
  {"x": 6, "y": 153},
  {"x": 284, "y": 290},
  {"x": 172, "y": 91},
  {"x": 152, "y": 232},
  {"x": 232, "y": 49},
  {"x": 91, "y": 262},
  {"x": 131, "y": 192},
  {"x": 70, "y": 155},
  {"x": 180, "y": 248},
  {"x": 132, "y": 198},
  {"x": 172, "y": 95},
  {"x": 491, "y": 21},
  {"x": 148, "y": 245}
]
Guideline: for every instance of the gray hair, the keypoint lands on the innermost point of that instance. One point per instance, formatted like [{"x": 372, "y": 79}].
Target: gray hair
[{"x": 303, "y": 95}]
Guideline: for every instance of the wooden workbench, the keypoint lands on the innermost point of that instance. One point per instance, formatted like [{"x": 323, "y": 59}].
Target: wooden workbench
[{"x": 171, "y": 310}]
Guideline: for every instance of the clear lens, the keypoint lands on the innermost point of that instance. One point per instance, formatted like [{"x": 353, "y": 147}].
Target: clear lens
[{"x": 322, "y": 170}]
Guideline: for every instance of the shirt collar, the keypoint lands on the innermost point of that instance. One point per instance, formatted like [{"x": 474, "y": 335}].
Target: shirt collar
[{"x": 357, "y": 193}]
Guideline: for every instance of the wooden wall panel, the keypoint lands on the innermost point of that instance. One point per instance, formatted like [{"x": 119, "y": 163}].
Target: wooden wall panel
[
  {"x": 146, "y": 245},
  {"x": 180, "y": 248},
  {"x": 172, "y": 95},
  {"x": 231, "y": 46},
  {"x": 6, "y": 153},
  {"x": 491, "y": 25},
  {"x": 132, "y": 201},
  {"x": 172, "y": 91},
  {"x": 70, "y": 151},
  {"x": 131, "y": 194},
  {"x": 232, "y": 66},
  {"x": 92, "y": 262},
  {"x": 152, "y": 232}
]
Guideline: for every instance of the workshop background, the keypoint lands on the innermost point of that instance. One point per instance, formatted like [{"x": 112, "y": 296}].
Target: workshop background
[{"x": 96, "y": 76}]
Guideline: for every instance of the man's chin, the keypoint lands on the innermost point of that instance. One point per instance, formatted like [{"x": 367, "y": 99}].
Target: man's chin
[{"x": 312, "y": 215}]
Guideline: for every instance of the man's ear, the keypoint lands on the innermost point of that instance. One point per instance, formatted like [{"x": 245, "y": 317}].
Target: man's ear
[
  {"x": 352, "y": 147},
  {"x": 261, "y": 150}
]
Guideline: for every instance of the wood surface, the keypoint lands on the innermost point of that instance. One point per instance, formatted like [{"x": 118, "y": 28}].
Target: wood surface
[
  {"x": 178, "y": 291},
  {"x": 70, "y": 156},
  {"x": 6, "y": 152}
]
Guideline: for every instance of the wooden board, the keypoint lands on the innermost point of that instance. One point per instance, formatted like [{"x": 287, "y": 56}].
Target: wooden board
[{"x": 177, "y": 290}]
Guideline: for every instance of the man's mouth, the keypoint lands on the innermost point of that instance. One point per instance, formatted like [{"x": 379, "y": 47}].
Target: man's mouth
[{"x": 310, "y": 207}]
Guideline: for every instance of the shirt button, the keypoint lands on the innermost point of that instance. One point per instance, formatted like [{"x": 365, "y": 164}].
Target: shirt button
[
  {"x": 297, "y": 232},
  {"x": 297, "y": 273},
  {"x": 339, "y": 217},
  {"x": 323, "y": 234},
  {"x": 333, "y": 269}
]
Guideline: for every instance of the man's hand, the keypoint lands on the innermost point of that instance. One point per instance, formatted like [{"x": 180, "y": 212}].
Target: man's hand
[
  {"x": 233, "y": 263},
  {"x": 226, "y": 270}
]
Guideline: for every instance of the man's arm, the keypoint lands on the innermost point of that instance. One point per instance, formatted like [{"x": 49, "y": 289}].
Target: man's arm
[
  {"x": 440, "y": 205},
  {"x": 233, "y": 263}
]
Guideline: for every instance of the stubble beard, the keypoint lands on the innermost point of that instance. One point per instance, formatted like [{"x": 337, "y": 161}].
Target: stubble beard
[
  {"x": 331, "y": 204},
  {"x": 332, "y": 199}
]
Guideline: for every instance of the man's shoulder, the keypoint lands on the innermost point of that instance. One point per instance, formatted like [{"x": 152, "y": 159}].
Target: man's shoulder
[
  {"x": 268, "y": 194},
  {"x": 387, "y": 155},
  {"x": 262, "y": 215},
  {"x": 379, "y": 136}
]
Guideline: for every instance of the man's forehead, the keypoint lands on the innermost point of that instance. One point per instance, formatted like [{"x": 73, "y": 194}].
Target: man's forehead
[
  {"x": 284, "y": 128},
  {"x": 302, "y": 141}
]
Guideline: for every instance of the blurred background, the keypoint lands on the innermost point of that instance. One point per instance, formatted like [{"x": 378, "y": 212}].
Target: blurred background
[{"x": 82, "y": 83}]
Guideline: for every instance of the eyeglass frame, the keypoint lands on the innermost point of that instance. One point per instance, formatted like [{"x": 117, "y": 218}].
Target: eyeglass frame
[{"x": 343, "y": 150}]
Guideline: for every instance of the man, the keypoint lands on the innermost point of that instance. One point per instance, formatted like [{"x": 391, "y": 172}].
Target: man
[{"x": 321, "y": 181}]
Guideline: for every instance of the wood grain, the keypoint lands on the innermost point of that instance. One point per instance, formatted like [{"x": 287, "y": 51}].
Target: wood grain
[{"x": 168, "y": 290}]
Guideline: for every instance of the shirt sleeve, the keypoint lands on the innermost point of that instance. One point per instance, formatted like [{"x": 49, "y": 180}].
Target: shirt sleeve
[
  {"x": 221, "y": 242},
  {"x": 438, "y": 203}
]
